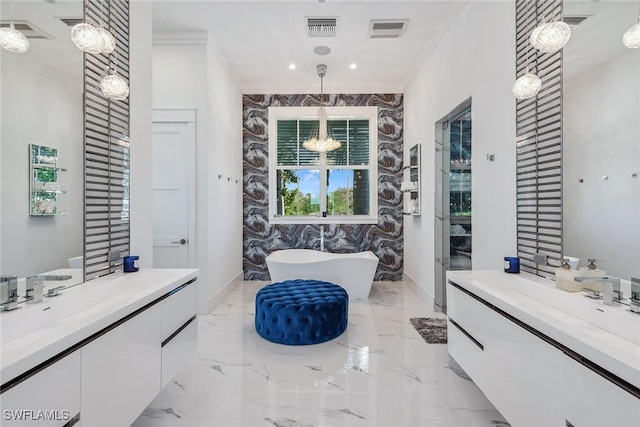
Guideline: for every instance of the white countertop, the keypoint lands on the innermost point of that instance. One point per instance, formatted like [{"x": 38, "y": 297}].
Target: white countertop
[
  {"x": 607, "y": 335},
  {"x": 36, "y": 332}
]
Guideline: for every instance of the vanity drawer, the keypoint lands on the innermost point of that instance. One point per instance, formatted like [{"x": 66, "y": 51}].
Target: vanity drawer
[
  {"x": 55, "y": 391},
  {"x": 178, "y": 308},
  {"x": 176, "y": 351},
  {"x": 121, "y": 371}
]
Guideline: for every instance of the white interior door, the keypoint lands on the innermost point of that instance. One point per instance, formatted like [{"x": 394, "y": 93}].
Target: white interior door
[{"x": 174, "y": 140}]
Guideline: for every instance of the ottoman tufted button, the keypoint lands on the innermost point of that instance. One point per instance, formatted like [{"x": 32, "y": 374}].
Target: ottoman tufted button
[{"x": 301, "y": 312}]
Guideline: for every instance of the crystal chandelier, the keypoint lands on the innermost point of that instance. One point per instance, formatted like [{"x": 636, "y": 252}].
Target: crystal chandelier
[
  {"x": 527, "y": 85},
  {"x": 320, "y": 140},
  {"x": 550, "y": 37},
  {"x": 13, "y": 40},
  {"x": 113, "y": 86}
]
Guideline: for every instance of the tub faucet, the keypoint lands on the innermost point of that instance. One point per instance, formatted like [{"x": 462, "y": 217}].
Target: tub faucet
[
  {"x": 322, "y": 238},
  {"x": 611, "y": 293},
  {"x": 35, "y": 285}
]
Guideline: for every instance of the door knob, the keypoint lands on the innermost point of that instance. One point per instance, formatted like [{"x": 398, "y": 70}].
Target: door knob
[{"x": 181, "y": 241}]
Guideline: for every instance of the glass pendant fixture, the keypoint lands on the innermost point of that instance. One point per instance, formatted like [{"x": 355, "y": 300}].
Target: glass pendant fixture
[
  {"x": 108, "y": 38},
  {"x": 13, "y": 40},
  {"x": 526, "y": 86},
  {"x": 87, "y": 38},
  {"x": 631, "y": 38},
  {"x": 321, "y": 140},
  {"x": 550, "y": 37},
  {"x": 109, "y": 42},
  {"x": 113, "y": 86}
]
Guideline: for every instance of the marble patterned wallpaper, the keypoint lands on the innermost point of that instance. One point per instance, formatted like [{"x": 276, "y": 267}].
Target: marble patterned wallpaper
[{"x": 260, "y": 238}]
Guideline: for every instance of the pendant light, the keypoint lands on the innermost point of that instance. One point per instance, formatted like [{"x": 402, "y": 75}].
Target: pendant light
[
  {"x": 631, "y": 38},
  {"x": 550, "y": 37},
  {"x": 321, "y": 140},
  {"x": 12, "y": 39},
  {"x": 114, "y": 86},
  {"x": 526, "y": 86},
  {"x": 109, "y": 40},
  {"x": 87, "y": 38}
]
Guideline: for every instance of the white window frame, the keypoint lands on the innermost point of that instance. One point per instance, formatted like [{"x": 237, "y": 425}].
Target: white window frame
[{"x": 333, "y": 113}]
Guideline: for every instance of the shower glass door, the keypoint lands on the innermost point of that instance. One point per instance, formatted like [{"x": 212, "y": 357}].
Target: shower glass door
[{"x": 452, "y": 197}]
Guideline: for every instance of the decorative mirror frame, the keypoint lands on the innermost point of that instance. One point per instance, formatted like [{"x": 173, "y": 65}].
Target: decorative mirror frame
[
  {"x": 539, "y": 146},
  {"x": 106, "y": 147}
]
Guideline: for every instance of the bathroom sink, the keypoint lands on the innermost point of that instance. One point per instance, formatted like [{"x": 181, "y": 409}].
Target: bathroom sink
[
  {"x": 30, "y": 318},
  {"x": 616, "y": 320}
]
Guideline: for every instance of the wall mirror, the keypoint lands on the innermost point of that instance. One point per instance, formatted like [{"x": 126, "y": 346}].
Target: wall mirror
[
  {"x": 601, "y": 138},
  {"x": 42, "y": 104}
]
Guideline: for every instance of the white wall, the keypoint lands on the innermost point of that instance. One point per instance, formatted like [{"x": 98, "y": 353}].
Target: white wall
[
  {"x": 38, "y": 244},
  {"x": 188, "y": 74},
  {"x": 601, "y": 137},
  {"x": 475, "y": 58},
  {"x": 140, "y": 45}
]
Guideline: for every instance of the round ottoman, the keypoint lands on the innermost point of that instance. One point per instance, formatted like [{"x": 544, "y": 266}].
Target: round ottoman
[{"x": 300, "y": 312}]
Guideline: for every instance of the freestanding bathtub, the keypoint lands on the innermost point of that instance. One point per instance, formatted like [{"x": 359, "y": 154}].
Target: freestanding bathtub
[{"x": 354, "y": 272}]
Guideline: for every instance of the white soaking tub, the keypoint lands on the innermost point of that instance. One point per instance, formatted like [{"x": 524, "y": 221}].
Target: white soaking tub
[{"x": 354, "y": 271}]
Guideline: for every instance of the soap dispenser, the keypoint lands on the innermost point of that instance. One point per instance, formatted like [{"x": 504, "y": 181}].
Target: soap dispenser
[{"x": 565, "y": 276}]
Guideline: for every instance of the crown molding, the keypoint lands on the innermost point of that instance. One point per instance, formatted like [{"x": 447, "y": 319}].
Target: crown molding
[{"x": 427, "y": 53}]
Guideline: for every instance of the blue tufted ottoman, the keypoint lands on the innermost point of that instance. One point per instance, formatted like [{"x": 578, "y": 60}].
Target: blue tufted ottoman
[{"x": 298, "y": 312}]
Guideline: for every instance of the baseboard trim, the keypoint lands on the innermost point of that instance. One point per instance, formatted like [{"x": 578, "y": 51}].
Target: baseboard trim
[
  {"x": 426, "y": 296},
  {"x": 205, "y": 306}
]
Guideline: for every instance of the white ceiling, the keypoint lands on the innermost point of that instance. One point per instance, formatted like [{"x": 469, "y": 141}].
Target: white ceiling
[
  {"x": 259, "y": 39},
  {"x": 597, "y": 41},
  {"x": 56, "y": 55}
]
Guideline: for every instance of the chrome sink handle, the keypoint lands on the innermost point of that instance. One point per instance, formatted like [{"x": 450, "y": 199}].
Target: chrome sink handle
[{"x": 35, "y": 286}]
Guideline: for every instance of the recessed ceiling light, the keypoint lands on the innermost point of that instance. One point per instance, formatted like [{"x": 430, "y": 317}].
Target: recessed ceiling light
[
  {"x": 353, "y": 66},
  {"x": 292, "y": 66}
]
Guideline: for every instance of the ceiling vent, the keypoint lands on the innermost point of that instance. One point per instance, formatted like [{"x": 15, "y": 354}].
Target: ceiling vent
[
  {"x": 387, "y": 28},
  {"x": 322, "y": 27},
  {"x": 70, "y": 22},
  {"x": 574, "y": 21},
  {"x": 28, "y": 29}
]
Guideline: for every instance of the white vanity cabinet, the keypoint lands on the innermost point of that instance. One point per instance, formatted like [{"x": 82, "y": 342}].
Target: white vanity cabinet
[
  {"x": 516, "y": 370},
  {"x": 102, "y": 364},
  {"x": 530, "y": 377},
  {"x": 179, "y": 331},
  {"x": 121, "y": 371},
  {"x": 49, "y": 398}
]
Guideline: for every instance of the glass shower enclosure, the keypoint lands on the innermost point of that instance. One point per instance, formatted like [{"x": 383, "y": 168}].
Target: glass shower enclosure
[{"x": 453, "y": 197}]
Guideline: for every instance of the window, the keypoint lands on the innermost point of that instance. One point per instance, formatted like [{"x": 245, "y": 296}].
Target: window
[{"x": 335, "y": 187}]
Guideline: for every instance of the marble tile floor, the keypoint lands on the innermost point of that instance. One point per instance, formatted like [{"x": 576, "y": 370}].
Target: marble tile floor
[{"x": 380, "y": 372}]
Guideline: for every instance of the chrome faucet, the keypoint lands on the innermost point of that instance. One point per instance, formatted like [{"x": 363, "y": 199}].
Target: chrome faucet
[
  {"x": 634, "y": 304},
  {"x": 8, "y": 293},
  {"x": 611, "y": 293},
  {"x": 322, "y": 238},
  {"x": 35, "y": 286}
]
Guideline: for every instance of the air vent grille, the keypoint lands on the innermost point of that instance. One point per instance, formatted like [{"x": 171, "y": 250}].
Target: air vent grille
[
  {"x": 574, "y": 21},
  {"x": 70, "y": 22},
  {"x": 387, "y": 28},
  {"x": 322, "y": 27},
  {"x": 28, "y": 29}
]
